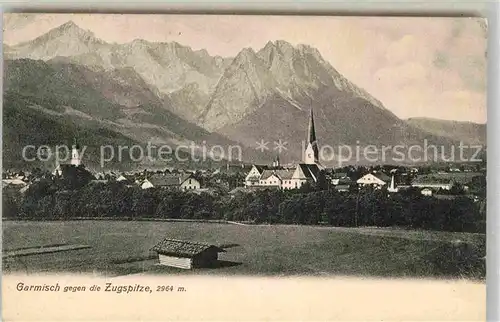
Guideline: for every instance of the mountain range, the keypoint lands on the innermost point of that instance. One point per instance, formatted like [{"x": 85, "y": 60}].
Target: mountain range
[
  {"x": 466, "y": 132},
  {"x": 165, "y": 92}
]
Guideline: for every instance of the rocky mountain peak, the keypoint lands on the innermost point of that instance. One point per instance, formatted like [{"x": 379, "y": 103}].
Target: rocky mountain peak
[
  {"x": 246, "y": 58},
  {"x": 68, "y": 26},
  {"x": 246, "y": 53},
  {"x": 284, "y": 46},
  {"x": 276, "y": 49},
  {"x": 73, "y": 30},
  {"x": 138, "y": 44}
]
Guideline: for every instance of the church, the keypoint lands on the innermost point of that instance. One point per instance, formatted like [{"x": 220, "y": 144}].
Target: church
[
  {"x": 74, "y": 171},
  {"x": 75, "y": 161},
  {"x": 291, "y": 177}
]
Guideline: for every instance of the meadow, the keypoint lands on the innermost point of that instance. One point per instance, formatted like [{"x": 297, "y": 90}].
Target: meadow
[{"x": 123, "y": 247}]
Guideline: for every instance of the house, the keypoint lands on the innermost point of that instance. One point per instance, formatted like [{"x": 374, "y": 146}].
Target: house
[
  {"x": 13, "y": 182},
  {"x": 128, "y": 180},
  {"x": 343, "y": 188},
  {"x": 289, "y": 178},
  {"x": 426, "y": 192},
  {"x": 336, "y": 177},
  {"x": 122, "y": 178},
  {"x": 186, "y": 254},
  {"x": 254, "y": 175},
  {"x": 270, "y": 179},
  {"x": 432, "y": 182},
  {"x": 344, "y": 184},
  {"x": 173, "y": 181},
  {"x": 281, "y": 177},
  {"x": 292, "y": 176},
  {"x": 375, "y": 179}
]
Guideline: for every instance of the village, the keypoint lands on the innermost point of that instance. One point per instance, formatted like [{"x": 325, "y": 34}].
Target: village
[
  {"x": 431, "y": 181},
  {"x": 444, "y": 180}
]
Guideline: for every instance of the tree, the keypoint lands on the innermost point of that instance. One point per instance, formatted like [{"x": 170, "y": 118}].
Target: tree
[
  {"x": 457, "y": 189},
  {"x": 74, "y": 177},
  {"x": 322, "y": 183},
  {"x": 12, "y": 200}
]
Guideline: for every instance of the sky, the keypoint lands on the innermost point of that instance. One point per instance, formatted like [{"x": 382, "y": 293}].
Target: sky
[{"x": 417, "y": 66}]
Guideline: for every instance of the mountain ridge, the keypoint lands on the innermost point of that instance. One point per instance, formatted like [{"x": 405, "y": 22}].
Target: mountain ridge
[
  {"x": 426, "y": 118},
  {"x": 464, "y": 131}
]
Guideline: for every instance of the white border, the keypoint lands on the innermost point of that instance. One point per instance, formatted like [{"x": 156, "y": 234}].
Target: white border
[{"x": 493, "y": 166}]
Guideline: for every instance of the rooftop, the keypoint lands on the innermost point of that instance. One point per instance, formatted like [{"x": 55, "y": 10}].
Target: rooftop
[
  {"x": 161, "y": 180},
  {"x": 183, "y": 248}
]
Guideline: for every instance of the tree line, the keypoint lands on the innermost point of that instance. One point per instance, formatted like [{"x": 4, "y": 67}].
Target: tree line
[{"x": 48, "y": 200}]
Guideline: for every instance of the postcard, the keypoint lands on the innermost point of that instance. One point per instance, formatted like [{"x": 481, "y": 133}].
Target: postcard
[{"x": 169, "y": 167}]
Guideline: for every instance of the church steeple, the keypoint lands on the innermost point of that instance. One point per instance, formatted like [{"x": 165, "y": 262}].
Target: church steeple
[
  {"x": 75, "y": 144},
  {"x": 392, "y": 187},
  {"x": 311, "y": 131},
  {"x": 276, "y": 162},
  {"x": 75, "y": 154},
  {"x": 311, "y": 154}
]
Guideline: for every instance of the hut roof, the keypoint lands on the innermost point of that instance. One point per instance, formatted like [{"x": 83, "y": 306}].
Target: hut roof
[
  {"x": 382, "y": 176},
  {"x": 183, "y": 248}
]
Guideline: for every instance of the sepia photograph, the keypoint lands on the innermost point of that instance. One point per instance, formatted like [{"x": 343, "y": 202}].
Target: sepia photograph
[{"x": 137, "y": 146}]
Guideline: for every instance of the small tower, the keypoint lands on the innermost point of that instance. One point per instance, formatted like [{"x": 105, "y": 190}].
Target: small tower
[
  {"x": 392, "y": 187},
  {"x": 276, "y": 162},
  {"x": 57, "y": 166},
  {"x": 311, "y": 154},
  {"x": 75, "y": 154}
]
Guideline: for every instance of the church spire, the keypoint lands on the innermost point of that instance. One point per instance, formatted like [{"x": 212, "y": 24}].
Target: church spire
[
  {"x": 311, "y": 131},
  {"x": 276, "y": 162},
  {"x": 75, "y": 154},
  {"x": 75, "y": 143},
  {"x": 392, "y": 187},
  {"x": 311, "y": 153}
]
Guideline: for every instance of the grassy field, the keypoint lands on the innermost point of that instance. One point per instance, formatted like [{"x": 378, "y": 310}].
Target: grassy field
[{"x": 122, "y": 247}]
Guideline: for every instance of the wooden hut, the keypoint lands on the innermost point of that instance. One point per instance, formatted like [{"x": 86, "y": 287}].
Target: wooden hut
[{"x": 186, "y": 254}]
